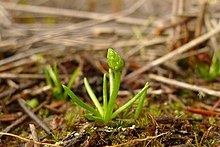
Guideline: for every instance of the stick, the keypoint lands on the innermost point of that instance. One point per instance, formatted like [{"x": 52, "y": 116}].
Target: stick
[
  {"x": 213, "y": 40},
  {"x": 26, "y": 54},
  {"x": 131, "y": 77},
  {"x": 200, "y": 19},
  {"x": 33, "y": 116},
  {"x": 27, "y": 76},
  {"x": 21, "y": 119},
  {"x": 203, "y": 112},
  {"x": 34, "y": 134},
  {"x": 20, "y": 87},
  {"x": 184, "y": 85}
]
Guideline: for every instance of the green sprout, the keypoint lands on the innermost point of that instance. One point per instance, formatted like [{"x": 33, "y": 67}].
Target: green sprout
[
  {"x": 105, "y": 112},
  {"x": 53, "y": 80},
  {"x": 210, "y": 72}
]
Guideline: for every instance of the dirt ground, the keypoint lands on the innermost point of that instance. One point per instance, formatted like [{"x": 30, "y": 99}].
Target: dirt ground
[{"x": 172, "y": 44}]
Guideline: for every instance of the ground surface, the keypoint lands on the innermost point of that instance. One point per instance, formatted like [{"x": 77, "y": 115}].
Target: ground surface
[{"x": 182, "y": 104}]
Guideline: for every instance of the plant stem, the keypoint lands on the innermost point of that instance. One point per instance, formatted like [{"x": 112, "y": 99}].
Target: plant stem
[
  {"x": 140, "y": 104},
  {"x": 111, "y": 81},
  {"x": 116, "y": 85},
  {"x": 105, "y": 96}
]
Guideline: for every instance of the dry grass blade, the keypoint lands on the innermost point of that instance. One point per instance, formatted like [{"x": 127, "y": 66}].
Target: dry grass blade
[
  {"x": 184, "y": 85},
  {"x": 34, "y": 134},
  {"x": 26, "y": 76},
  {"x": 26, "y": 54}
]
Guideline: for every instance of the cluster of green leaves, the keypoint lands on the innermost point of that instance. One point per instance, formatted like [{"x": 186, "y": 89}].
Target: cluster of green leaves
[
  {"x": 53, "y": 80},
  {"x": 212, "y": 71},
  {"x": 105, "y": 112}
]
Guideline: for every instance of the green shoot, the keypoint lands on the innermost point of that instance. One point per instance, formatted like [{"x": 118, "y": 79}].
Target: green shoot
[
  {"x": 105, "y": 112},
  {"x": 53, "y": 80},
  {"x": 212, "y": 71}
]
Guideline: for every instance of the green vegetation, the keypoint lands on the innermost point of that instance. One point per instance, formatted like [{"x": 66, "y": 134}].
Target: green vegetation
[
  {"x": 105, "y": 112},
  {"x": 210, "y": 72},
  {"x": 33, "y": 103},
  {"x": 53, "y": 80}
]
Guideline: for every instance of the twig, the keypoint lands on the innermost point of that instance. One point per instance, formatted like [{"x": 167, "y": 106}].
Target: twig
[
  {"x": 40, "y": 90},
  {"x": 26, "y": 54},
  {"x": 27, "y": 76},
  {"x": 20, "y": 120},
  {"x": 28, "y": 140},
  {"x": 184, "y": 85},
  {"x": 33, "y": 116},
  {"x": 213, "y": 40},
  {"x": 200, "y": 19},
  {"x": 20, "y": 87},
  {"x": 181, "y": 7},
  {"x": 203, "y": 112},
  {"x": 131, "y": 77},
  {"x": 171, "y": 25},
  {"x": 104, "y": 44},
  {"x": 215, "y": 105},
  {"x": 34, "y": 134},
  {"x": 21, "y": 76},
  {"x": 16, "y": 64},
  {"x": 54, "y": 110},
  {"x": 191, "y": 53},
  {"x": 207, "y": 107},
  {"x": 7, "y": 117},
  {"x": 6, "y": 43}
]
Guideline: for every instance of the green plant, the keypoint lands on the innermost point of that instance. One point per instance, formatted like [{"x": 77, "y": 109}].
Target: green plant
[
  {"x": 210, "y": 72},
  {"x": 53, "y": 80},
  {"x": 33, "y": 103},
  {"x": 105, "y": 112}
]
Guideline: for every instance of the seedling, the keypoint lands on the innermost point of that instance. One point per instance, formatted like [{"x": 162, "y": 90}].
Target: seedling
[
  {"x": 105, "y": 112},
  {"x": 212, "y": 71},
  {"x": 53, "y": 80}
]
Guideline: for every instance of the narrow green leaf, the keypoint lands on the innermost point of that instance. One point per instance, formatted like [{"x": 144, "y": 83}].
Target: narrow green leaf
[
  {"x": 113, "y": 96},
  {"x": 93, "y": 118},
  {"x": 48, "y": 79},
  {"x": 72, "y": 80},
  {"x": 105, "y": 96},
  {"x": 93, "y": 96},
  {"x": 80, "y": 102},
  {"x": 140, "y": 104},
  {"x": 55, "y": 77},
  {"x": 214, "y": 70},
  {"x": 73, "y": 77},
  {"x": 130, "y": 102}
]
